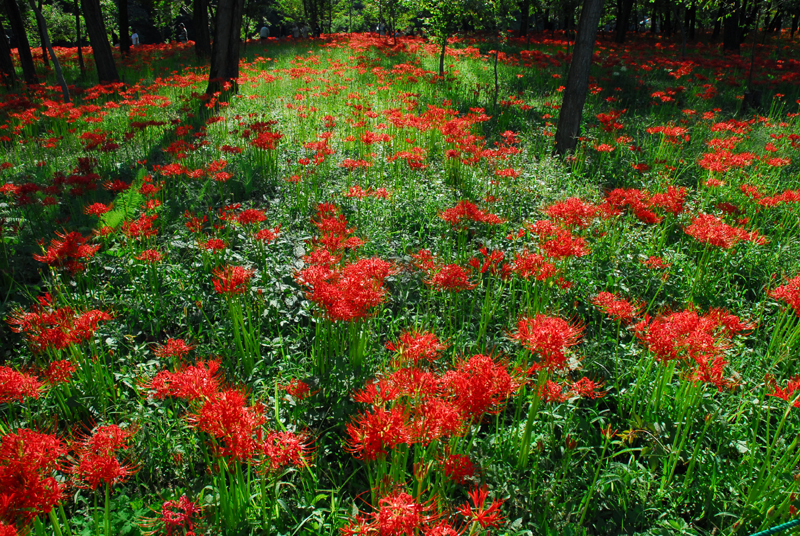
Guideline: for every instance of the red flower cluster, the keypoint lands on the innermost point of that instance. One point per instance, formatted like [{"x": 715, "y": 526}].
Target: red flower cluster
[
  {"x": 556, "y": 242},
  {"x": 711, "y": 230},
  {"x": 68, "y": 252},
  {"x": 173, "y": 348},
  {"x": 416, "y": 346},
  {"x": 616, "y": 308},
  {"x": 573, "y": 212},
  {"x": 788, "y": 394},
  {"x": 693, "y": 339},
  {"x": 179, "y": 516},
  {"x": 548, "y": 337},
  {"x": 28, "y": 487},
  {"x": 48, "y": 328},
  {"x": 16, "y": 386},
  {"x": 199, "y": 381},
  {"x": 464, "y": 211},
  {"x": 789, "y": 293},
  {"x": 97, "y": 458},
  {"x": 527, "y": 265},
  {"x": 232, "y": 280}
]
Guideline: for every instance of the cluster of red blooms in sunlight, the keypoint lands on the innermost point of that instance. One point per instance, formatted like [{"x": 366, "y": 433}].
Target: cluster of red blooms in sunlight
[
  {"x": 697, "y": 341},
  {"x": 97, "y": 461},
  {"x": 555, "y": 393},
  {"x": 180, "y": 517},
  {"x": 573, "y": 212},
  {"x": 237, "y": 428},
  {"x": 232, "y": 280},
  {"x": 449, "y": 277},
  {"x": 557, "y": 242},
  {"x": 789, "y": 293},
  {"x": 464, "y": 212},
  {"x": 792, "y": 392},
  {"x": 617, "y": 308},
  {"x": 69, "y": 252},
  {"x": 49, "y": 328},
  {"x": 344, "y": 291},
  {"x": 642, "y": 203},
  {"x": 28, "y": 487},
  {"x": 175, "y": 348},
  {"x": 549, "y": 338},
  {"x": 16, "y": 386},
  {"x": 416, "y": 346},
  {"x": 711, "y": 230}
]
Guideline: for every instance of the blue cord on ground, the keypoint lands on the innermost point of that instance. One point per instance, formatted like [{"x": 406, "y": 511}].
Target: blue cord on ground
[{"x": 778, "y": 528}]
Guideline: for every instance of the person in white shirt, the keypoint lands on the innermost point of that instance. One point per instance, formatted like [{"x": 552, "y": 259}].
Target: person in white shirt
[{"x": 134, "y": 39}]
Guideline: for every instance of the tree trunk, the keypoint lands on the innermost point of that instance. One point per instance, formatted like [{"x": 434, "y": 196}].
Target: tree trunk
[
  {"x": 78, "y": 36},
  {"x": 23, "y": 48},
  {"x": 623, "y": 19},
  {"x": 6, "y": 64},
  {"x": 46, "y": 44},
  {"x": 524, "y": 12},
  {"x": 577, "y": 86},
  {"x": 124, "y": 27},
  {"x": 666, "y": 31},
  {"x": 731, "y": 34},
  {"x": 42, "y": 30},
  {"x": 717, "y": 24},
  {"x": 441, "y": 56},
  {"x": 794, "y": 24},
  {"x": 202, "y": 40},
  {"x": 691, "y": 20},
  {"x": 101, "y": 50},
  {"x": 225, "y": 49}
]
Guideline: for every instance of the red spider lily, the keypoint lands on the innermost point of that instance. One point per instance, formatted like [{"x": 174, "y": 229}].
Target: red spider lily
[
  {"x": 415, "y": 383},
  {"x": 491, "y": 263},
  {"x": 424, "y": 260},
  {"x": 97, "y": 462},
  {"x": 722, "y": 160},
  {"x": 349, "y": 293},
  {"x": 457, "y": 467},
  {"x": 28, "y": 461},
  {"x": 415, "y": 346},
  {"x": 268, "y": 235},
  {"x": 173, "y": 348},
  {"x": 250, "y": 216},
  {"x": 377, "y": 393},
  {"x": 671, "y": 134},
  {"x": 527, "y": 265},
  {"x": 573, "y": 212},
  {"x": 466, "y": 211},
  {"x": 373, "y": 433},
  {"x": 150, "y": 256},
  {"x": 691, "y": 338},
  {"x": 788, "y": 394},
  {"x": 232, "y": 280},
  {"x": 586, "y": 388},
  {"x": 60, "y": 371},
  {"x": 214, "y": 245},
  {"x": 450, "y": 277},
  {"x": 226, "y": 416},
  {"x": 711, "y": 230},
  {"x": 558, "y": 243},
  {"x": 435, "y": 419},
  {"x": 789, "y": 293},
  {"x": 480, "y": 385},
  {"x": 477, "y": 512},
  {"x": 335, "y": 235},
  {"x": 194, "y": 224},
  {"x": 616, "y": 308},
  {"x": 16, "y": 386},
  {"x": 47, "y": 327},
  {"x": 548, "y": 337},
  {"x": 141, "y": 227},
  {"x": 179, "y": 517},
  {"x": 656, "y": 263},
  {"x": 8, "y": 530},
  {"x": 68, "y": 252},
  {"x": 639, "y": 201},
  {"x": 553, "y": 393},
  {"x": 96, "y": 209},
  {"x": 400, "y": 514},
  {"x": 199, "y": 381},
  {"x": 671, "y": 201},
  {"x": 297, "y": 389},
  {"x": 286, "y": 449}
]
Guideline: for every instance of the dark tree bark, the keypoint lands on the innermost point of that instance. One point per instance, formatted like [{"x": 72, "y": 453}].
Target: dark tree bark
[
  {"x": 524, "y": 12},
  {"x": 46, "y": 44},
  {"x": 225, "y": 49},
  {"x": 441, "y": 57},
  {"x": 24, "y": 49},
  {"x": 78, "y": 35},
  {"x": 794, "y": 24},
  {"x": 717, "y": 24},
  {"x": 202, "y": 39},
  {"x": 124, "y": 27},
  {"x": 103, "y": 58},
  {"x": 666, "y": 31},
  {"x": 623, "y": 19},
  {"x": 6, "y": 64},
  {"x": 731, "y": 31},
  {"x": 42, "y": 30},
  {"x": 691, "y": 20},
  {"x": 577, "y": 85}
]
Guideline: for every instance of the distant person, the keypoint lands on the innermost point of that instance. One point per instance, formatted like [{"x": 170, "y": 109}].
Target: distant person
[
  {"x": 135, "y": 39},
  {"x": 183, "y": 35},
  {"x": 264, "y": 32}
]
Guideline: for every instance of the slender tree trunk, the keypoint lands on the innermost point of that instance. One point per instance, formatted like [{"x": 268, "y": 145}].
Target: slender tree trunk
[
  {"x": 731, "y": 31},
  {"x": 202, "y": 40},
  {"x": 441, "y": 56},
  {"x": 6, "y": 64},
  {"x": 225, "y": 49},
  {"x": 794, "y": 24},
  {"x": 101, "y": 50},
  {"x": 46, "y": 44},
  {"x": 42, "y": 30},
  {"x": 23, "y": 48},
  {"x": 496, "y": 84},
  {"x": 124, "y": 27},
  {"x": 577, "y": 86},
  {"x": 717, "y": 24},
  {"x": 691, "y": 20},
  {"x": 78, "y": 36},
  {"x": 623, "y": 19},
  {"x": 524, "y": 13}
]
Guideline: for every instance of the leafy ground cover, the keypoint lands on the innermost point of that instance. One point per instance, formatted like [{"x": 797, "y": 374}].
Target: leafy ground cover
[{"x": 358, "y": 298}]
